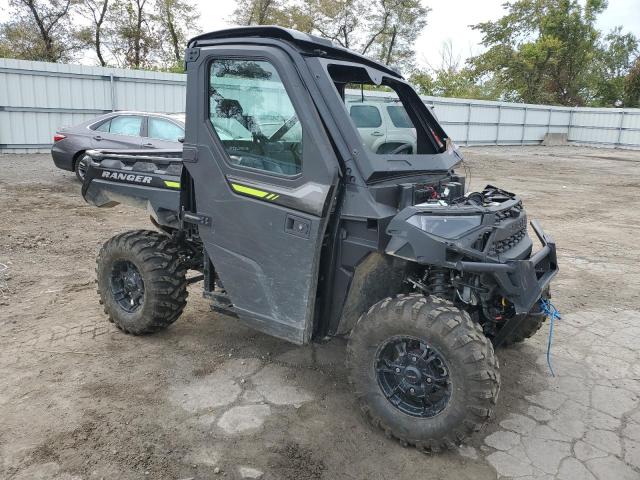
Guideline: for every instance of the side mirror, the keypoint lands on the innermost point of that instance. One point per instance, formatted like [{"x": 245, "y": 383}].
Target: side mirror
[{"x": 181, "y": 139}]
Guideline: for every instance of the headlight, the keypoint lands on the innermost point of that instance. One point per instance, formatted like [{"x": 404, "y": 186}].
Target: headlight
[{"x": 445, "y": 226}]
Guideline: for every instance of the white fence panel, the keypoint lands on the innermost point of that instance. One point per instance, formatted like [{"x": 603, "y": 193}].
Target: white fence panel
[{"x": 37, "y": 98}]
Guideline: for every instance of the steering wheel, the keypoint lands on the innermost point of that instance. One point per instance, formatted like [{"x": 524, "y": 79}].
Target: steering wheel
[
  {"x": 399, "y": 149},
  {"x": 272, "y": 165}
]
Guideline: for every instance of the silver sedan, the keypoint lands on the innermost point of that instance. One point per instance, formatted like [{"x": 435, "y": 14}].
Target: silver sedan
[{"x": 116, "y": 130}]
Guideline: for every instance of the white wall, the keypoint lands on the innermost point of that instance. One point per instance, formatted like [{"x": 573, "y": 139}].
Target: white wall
[{"x": 36, "y": 98}]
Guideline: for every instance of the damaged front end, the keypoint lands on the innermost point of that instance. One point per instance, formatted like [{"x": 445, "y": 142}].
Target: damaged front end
[{"x": 475, "y": 250}]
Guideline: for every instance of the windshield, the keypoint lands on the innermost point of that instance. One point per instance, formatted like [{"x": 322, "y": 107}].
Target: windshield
[{"x": 386, "y": 113}]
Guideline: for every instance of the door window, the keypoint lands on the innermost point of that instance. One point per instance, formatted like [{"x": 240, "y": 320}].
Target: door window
[
  {"x": 164, "y": 130},
  {"x": 365, "y": 116},
  {"x": 126, "y": 125},
  {"x": 104, "y": 126},
  {"x": 253, "y": 116}
]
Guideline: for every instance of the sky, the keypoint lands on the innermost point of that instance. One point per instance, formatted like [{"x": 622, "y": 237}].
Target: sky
[{"x": 448, "y": 20}]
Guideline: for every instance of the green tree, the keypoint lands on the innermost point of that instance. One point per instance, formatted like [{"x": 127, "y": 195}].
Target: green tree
[
  {"x": 614, "y": 60},
  {"x": 39, "y": 30},
  {"x": 93, "y": 36},
  {"x": 394, "y": 31},
  {"x": 258, "y": 12},
  {"x": 632, "y": 86},
  {"x": 341, "y": 21},
  {"x": 173, "y": 18},
  {"x": 385, "y": 30},
  {"x": 135, "y": 41},
  {"x": 451, "y": 79},
  {"x": 542, "y": 51}
]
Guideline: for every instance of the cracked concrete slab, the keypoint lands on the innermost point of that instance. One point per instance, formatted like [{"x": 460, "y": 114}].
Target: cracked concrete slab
[
  {"x": 244, "y": 418},
  {"x": 583, "y": 423},
  {"x": 502, "y": 440},
  {"x": 572, "y": 469},
  {"x": 250, "y": 473},
  {"x": 211, "y": 391},
  {"x": 509, "y": 466},
  {"x": 610, "y": 468},
  {"x": 272, "y": 383},
  {"x": 240, "y": 368}
]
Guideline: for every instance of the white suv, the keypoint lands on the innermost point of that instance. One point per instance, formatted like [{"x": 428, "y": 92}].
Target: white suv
[{"x": 384, "y": 127}]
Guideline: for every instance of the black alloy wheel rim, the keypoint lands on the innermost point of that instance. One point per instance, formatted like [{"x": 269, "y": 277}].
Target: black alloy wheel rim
[
  {"x": 127, "y": 286},
  {"x": 413, "y": 376}
]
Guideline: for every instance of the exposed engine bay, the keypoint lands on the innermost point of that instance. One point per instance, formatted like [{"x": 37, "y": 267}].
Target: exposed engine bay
[{"x": 472, "y": 249}]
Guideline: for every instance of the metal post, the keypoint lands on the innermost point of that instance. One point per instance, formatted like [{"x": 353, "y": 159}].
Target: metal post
[
  {"x": 112, "y": 84},
  {"x": 524, "y": 124},
  {"x": 549, "y": 122},
  {"x": 468, "y": 123},
  {"x": 570, "y": 125},
  {"x": 620, "y": 128},
  {"x": 498, "y": 126}
]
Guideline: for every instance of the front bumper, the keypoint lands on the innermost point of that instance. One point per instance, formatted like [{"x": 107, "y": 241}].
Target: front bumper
[{"x": 522, "y": 281}]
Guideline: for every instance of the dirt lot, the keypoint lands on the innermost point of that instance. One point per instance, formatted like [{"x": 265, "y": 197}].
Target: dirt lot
[{"x": 79, "y": 399}]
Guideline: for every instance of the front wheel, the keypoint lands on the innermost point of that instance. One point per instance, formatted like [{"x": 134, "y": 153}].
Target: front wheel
[
  {"x": 423, "y": 371},
  {"x": 527, "y": 328},
  {"x": 142, "y": 282}
]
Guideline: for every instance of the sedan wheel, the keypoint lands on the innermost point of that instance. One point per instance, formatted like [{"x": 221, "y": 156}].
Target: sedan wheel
[{"x": 81, "y": 167}]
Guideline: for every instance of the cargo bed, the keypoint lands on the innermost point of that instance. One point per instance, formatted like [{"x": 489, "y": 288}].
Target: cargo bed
[{"x": 140, "y": 178}]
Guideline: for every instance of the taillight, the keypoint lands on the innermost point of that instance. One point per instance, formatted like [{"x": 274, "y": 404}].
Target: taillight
[{"x": 58, "y": 136}]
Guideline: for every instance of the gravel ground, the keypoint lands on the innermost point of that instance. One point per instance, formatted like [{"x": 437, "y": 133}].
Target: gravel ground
[{"x": 209, "y": 398}]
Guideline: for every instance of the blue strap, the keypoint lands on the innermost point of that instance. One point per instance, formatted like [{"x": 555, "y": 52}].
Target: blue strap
[{"x": 552, "y": 312}]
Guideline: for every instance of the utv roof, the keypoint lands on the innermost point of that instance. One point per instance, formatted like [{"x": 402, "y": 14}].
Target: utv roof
[{"x": 304, "y": 42}]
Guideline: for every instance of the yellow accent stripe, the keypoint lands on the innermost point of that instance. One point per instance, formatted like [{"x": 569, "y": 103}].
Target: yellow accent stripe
[
  {"x": 249, "y": 191},
  {"x": 171, "y": 184},
  {"x": 254, "y": 192}
]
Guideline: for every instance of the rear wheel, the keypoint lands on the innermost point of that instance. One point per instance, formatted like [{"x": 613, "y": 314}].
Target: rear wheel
[
  {"x": 81, "y": 166},
  {"x": 141, "y": 279},
  {"x": 423, "y": 371}
]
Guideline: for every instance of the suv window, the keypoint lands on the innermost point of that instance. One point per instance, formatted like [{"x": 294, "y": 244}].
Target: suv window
[
  {"x": 399, "y": 117},
  {"x": 122, "y": 125},
  {"x": 164, "y": 129},
  {"x": 253, "y": 116},
  {"x": 365, "y": 116}
]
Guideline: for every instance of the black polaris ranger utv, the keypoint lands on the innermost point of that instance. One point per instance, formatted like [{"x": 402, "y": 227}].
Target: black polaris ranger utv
[{"x": 301, "y": 230}]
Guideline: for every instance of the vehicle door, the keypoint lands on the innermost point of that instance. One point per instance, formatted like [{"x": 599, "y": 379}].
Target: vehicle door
[
  {"x": 119, "y": 132},
  {"x": 368, "y": 121},
  {"x": 266, "y": 190},
  {"x": 162, "y": 133}
]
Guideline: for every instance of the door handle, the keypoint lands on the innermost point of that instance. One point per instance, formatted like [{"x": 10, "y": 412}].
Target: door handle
[
  {"x": 148, "y": 145},
  {"x": 97, "y": 137},
  {"x": 300, "y": 227},
  {"x": 377, "y": 134}
]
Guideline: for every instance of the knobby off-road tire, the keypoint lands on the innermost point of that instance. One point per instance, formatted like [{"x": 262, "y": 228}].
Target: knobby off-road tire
[
  {"x": 468, "y": 361},
  {"x": 527, "y": 329},
  {"x": 148, "y": 259}
]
